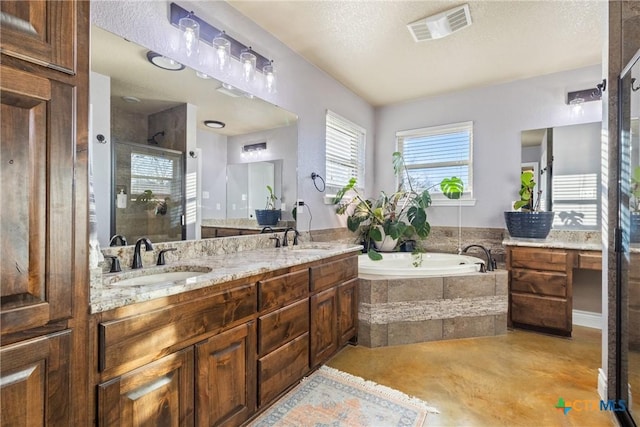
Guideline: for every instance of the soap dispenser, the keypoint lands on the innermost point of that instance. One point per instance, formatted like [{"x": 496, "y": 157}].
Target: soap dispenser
[{"x": 121, "y": 199}]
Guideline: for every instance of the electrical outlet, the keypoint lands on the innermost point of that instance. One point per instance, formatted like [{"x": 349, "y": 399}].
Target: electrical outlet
[{"x": 300, "y": 202}]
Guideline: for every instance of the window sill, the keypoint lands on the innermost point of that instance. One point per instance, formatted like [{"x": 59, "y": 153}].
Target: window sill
[{"x": 450, "y": 202}]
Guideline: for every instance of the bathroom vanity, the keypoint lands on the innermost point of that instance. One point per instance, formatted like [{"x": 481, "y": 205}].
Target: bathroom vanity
[
  {"x": 541, "y": 278},
  {"x": 220, "y": 347}
]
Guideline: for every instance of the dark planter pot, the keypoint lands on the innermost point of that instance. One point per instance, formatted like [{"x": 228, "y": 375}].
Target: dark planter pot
[
  {"x": 532, "y": 225},
  {"x": 635, "y": 227},
  {"x": 267, "y": 216}
]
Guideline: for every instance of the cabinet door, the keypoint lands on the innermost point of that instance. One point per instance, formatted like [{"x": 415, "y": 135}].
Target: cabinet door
[
  {"x": 226, "y": 380},
  {"x": 34, "y": 382},
  {"x": 348, "y": 313},
  {"x": 36, "y": 255},
  {"x": 43, "y": 32},
  {"x": 157, "y": 394},
  {"x": 324, "y": 326}
]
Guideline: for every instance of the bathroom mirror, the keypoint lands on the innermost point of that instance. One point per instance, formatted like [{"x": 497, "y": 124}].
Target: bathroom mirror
[
  {"x": 566, "y": 163},
  {"x": 139, "y": 95},
  {"x": 247, "y": 187}
]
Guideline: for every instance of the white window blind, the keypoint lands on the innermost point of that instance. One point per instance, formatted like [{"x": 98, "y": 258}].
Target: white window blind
[
  {"x": 575, "y": 201},
  {"x": 149, "y": 172},
  {"x": 345, "y": 143},
  {"x": 438, "y": 152}
]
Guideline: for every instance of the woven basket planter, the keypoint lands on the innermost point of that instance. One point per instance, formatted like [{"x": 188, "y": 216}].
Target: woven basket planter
[
  {"x": 267, "y": 216},
  {"x": 532, "y": 225}
]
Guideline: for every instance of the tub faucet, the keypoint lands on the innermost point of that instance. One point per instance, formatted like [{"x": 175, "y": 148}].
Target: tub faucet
[
  {"x": 118, "y": 238},
  {"x": 285, "y": 242},
  {"x": 137, "y": 259},
  {"x": 491, "y": 263}
]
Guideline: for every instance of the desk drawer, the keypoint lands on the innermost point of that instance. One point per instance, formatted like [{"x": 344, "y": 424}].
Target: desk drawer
[
  {"x": 281, "y": 290},
  {"x": 590, "y": 260},
  {"x": 539, "y": 282},
  {"x": 280, "y": 326}
]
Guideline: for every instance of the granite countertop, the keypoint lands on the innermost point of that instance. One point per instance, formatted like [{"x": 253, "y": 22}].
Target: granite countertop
[
  {"x": 561, "y": 239},
  {"x": 224, "y": 268}
]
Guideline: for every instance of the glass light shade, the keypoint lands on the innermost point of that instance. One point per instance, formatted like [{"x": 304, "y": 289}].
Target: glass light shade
[
  {"x": 222, "y": 48},
  {"x": 270, "y": 78},
  {"x": 190, "y": 35},
  {"x": 248, "y": 61}
]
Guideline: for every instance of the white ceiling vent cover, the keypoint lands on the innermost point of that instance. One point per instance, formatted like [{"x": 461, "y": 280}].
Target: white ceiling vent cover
[{"x": 440, "y": 25}]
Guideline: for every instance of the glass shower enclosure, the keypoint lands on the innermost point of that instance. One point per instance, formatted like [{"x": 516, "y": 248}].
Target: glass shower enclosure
[{"x": 147, "y": 192}]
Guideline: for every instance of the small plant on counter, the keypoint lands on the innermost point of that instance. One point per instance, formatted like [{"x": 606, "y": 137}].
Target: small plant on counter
[
  {"x": 271, "y": 199},
  {"x": 528, "y": 201},
  {"x": 402, "y": 214}
]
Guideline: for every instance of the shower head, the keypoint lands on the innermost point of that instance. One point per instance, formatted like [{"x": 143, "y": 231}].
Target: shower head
[{"x": 153, "y": 140}]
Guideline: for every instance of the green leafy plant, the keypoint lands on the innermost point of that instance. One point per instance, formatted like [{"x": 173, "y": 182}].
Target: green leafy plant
[
  {"x": 402, "y": 214},
  {"x": 528, "y": 200},
  {"x": 271, "y": 199}
]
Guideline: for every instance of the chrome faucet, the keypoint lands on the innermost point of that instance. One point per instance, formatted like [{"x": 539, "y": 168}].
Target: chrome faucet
[
  {"x": 137, "y": 259},
  {"x": 118, "y": 238},
  {"x": 285, "y": 242},
  {"x": 491, "y": 263}
]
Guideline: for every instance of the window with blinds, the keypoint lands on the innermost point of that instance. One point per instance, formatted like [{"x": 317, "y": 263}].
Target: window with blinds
[
  {"x": 576, "y": 201},
  {"x": 345, "y": 143},
  {"x": 149, "y": 172},
  {"x": 438, "y": 152}
]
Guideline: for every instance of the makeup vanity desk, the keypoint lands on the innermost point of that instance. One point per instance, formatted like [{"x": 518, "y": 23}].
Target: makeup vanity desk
[{"x": 541, "y": 278}]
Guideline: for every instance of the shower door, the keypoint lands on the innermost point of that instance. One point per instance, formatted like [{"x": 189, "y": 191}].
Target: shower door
[
  {"x": 147, "y": 193},
  {"x": 628, "y": 249}
]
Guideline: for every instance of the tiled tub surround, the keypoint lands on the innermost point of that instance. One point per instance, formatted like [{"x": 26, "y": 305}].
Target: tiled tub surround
[
  {"x": 396, "y": 310},
  {"x": 252, "y": 255}
]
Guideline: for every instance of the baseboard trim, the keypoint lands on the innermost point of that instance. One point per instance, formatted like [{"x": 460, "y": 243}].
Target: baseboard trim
[
  {"x": 587, "y": 319},
  {"x": 602, "y": 384}
]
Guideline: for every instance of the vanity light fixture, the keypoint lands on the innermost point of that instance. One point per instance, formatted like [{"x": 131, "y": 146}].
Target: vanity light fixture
[
  {"x": 190, "y": 34},
  {"x": 214, "y": 124},
  {"x": 225, "y": 46},
  {"x": 254, "y": 148},
  {"x": 270, "y": 78},
  {"x": 164, "y": 62}
]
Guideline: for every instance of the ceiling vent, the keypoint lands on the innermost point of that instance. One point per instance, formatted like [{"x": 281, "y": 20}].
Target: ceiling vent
[{"x": 440, "y": 25}]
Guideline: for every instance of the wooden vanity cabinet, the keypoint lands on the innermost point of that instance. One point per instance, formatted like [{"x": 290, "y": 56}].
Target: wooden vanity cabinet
[
  {"x": 283, "y": 333},
  {"x": 44, "y": 74},
  {"x": 333, "y": 307},
  {"x": 540, "y": 292}
]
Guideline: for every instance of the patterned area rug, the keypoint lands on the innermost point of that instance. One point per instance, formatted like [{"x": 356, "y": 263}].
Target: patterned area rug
[{"x": 329, "y": 397}]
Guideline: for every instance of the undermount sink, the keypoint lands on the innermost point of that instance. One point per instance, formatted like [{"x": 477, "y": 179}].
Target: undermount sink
[
  {"x": 161, "y": 277},
  {"x": 320, "y": 246}
]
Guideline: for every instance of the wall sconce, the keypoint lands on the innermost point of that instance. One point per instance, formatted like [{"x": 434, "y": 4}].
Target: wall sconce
[
  {"x": 577, "y": 98},
  {"x": 225, "y": 47},
  {"x": 190, "y": 34},
  {"x": 253, "y": 149}
]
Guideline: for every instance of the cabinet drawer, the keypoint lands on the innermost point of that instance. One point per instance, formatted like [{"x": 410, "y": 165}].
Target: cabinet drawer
[
  {"x": 546, "y": 312},
  {"x": 590, "y": 260},
  {"x": 279, "y": 291},
  {"x": 333, "y": 273},
  {"x": 132, "y": 341},
  {"x": 539, "y": 259},
  {"x": 539, "y": 282},
  {"x": 281, "y": 368},
  {"x": 280, "y": 326}
]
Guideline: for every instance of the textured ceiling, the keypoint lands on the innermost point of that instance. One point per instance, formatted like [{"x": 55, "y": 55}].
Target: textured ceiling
[{"x": 366, "y": 46}]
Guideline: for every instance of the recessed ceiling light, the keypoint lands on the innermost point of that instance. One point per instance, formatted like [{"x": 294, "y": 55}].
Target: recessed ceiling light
[
  {"x": 131, "y": 99},
  {"x": 164, "y": 62},
  {"x": 214, "y": 124}
]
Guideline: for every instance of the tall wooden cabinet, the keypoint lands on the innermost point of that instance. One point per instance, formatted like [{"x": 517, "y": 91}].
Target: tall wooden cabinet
[{"x": 43, "y": 257}]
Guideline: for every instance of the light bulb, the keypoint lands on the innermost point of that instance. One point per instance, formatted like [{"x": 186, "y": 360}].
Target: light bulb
[
  {"x": 269, "y": 72},
  {"x": 248, "y": 61},
  {"x": 222, "y": 48},
  {"x": 190, "y": 34}
]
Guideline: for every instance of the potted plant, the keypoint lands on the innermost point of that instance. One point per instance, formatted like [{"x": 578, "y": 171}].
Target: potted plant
[
  {"x": 269, "y": 215},
  {"x": 634, "y": 204},
  {"x": 526, "y": 220},
  {"x": 382, "y": 222}
]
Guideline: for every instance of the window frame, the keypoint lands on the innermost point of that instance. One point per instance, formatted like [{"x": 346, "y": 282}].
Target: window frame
[
  {"x": 333, "y": 188},
  {"x": 438, "y": 199}
]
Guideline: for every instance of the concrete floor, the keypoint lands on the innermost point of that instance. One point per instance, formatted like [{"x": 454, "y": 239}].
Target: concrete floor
[{"x": 508, "y": 380}]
